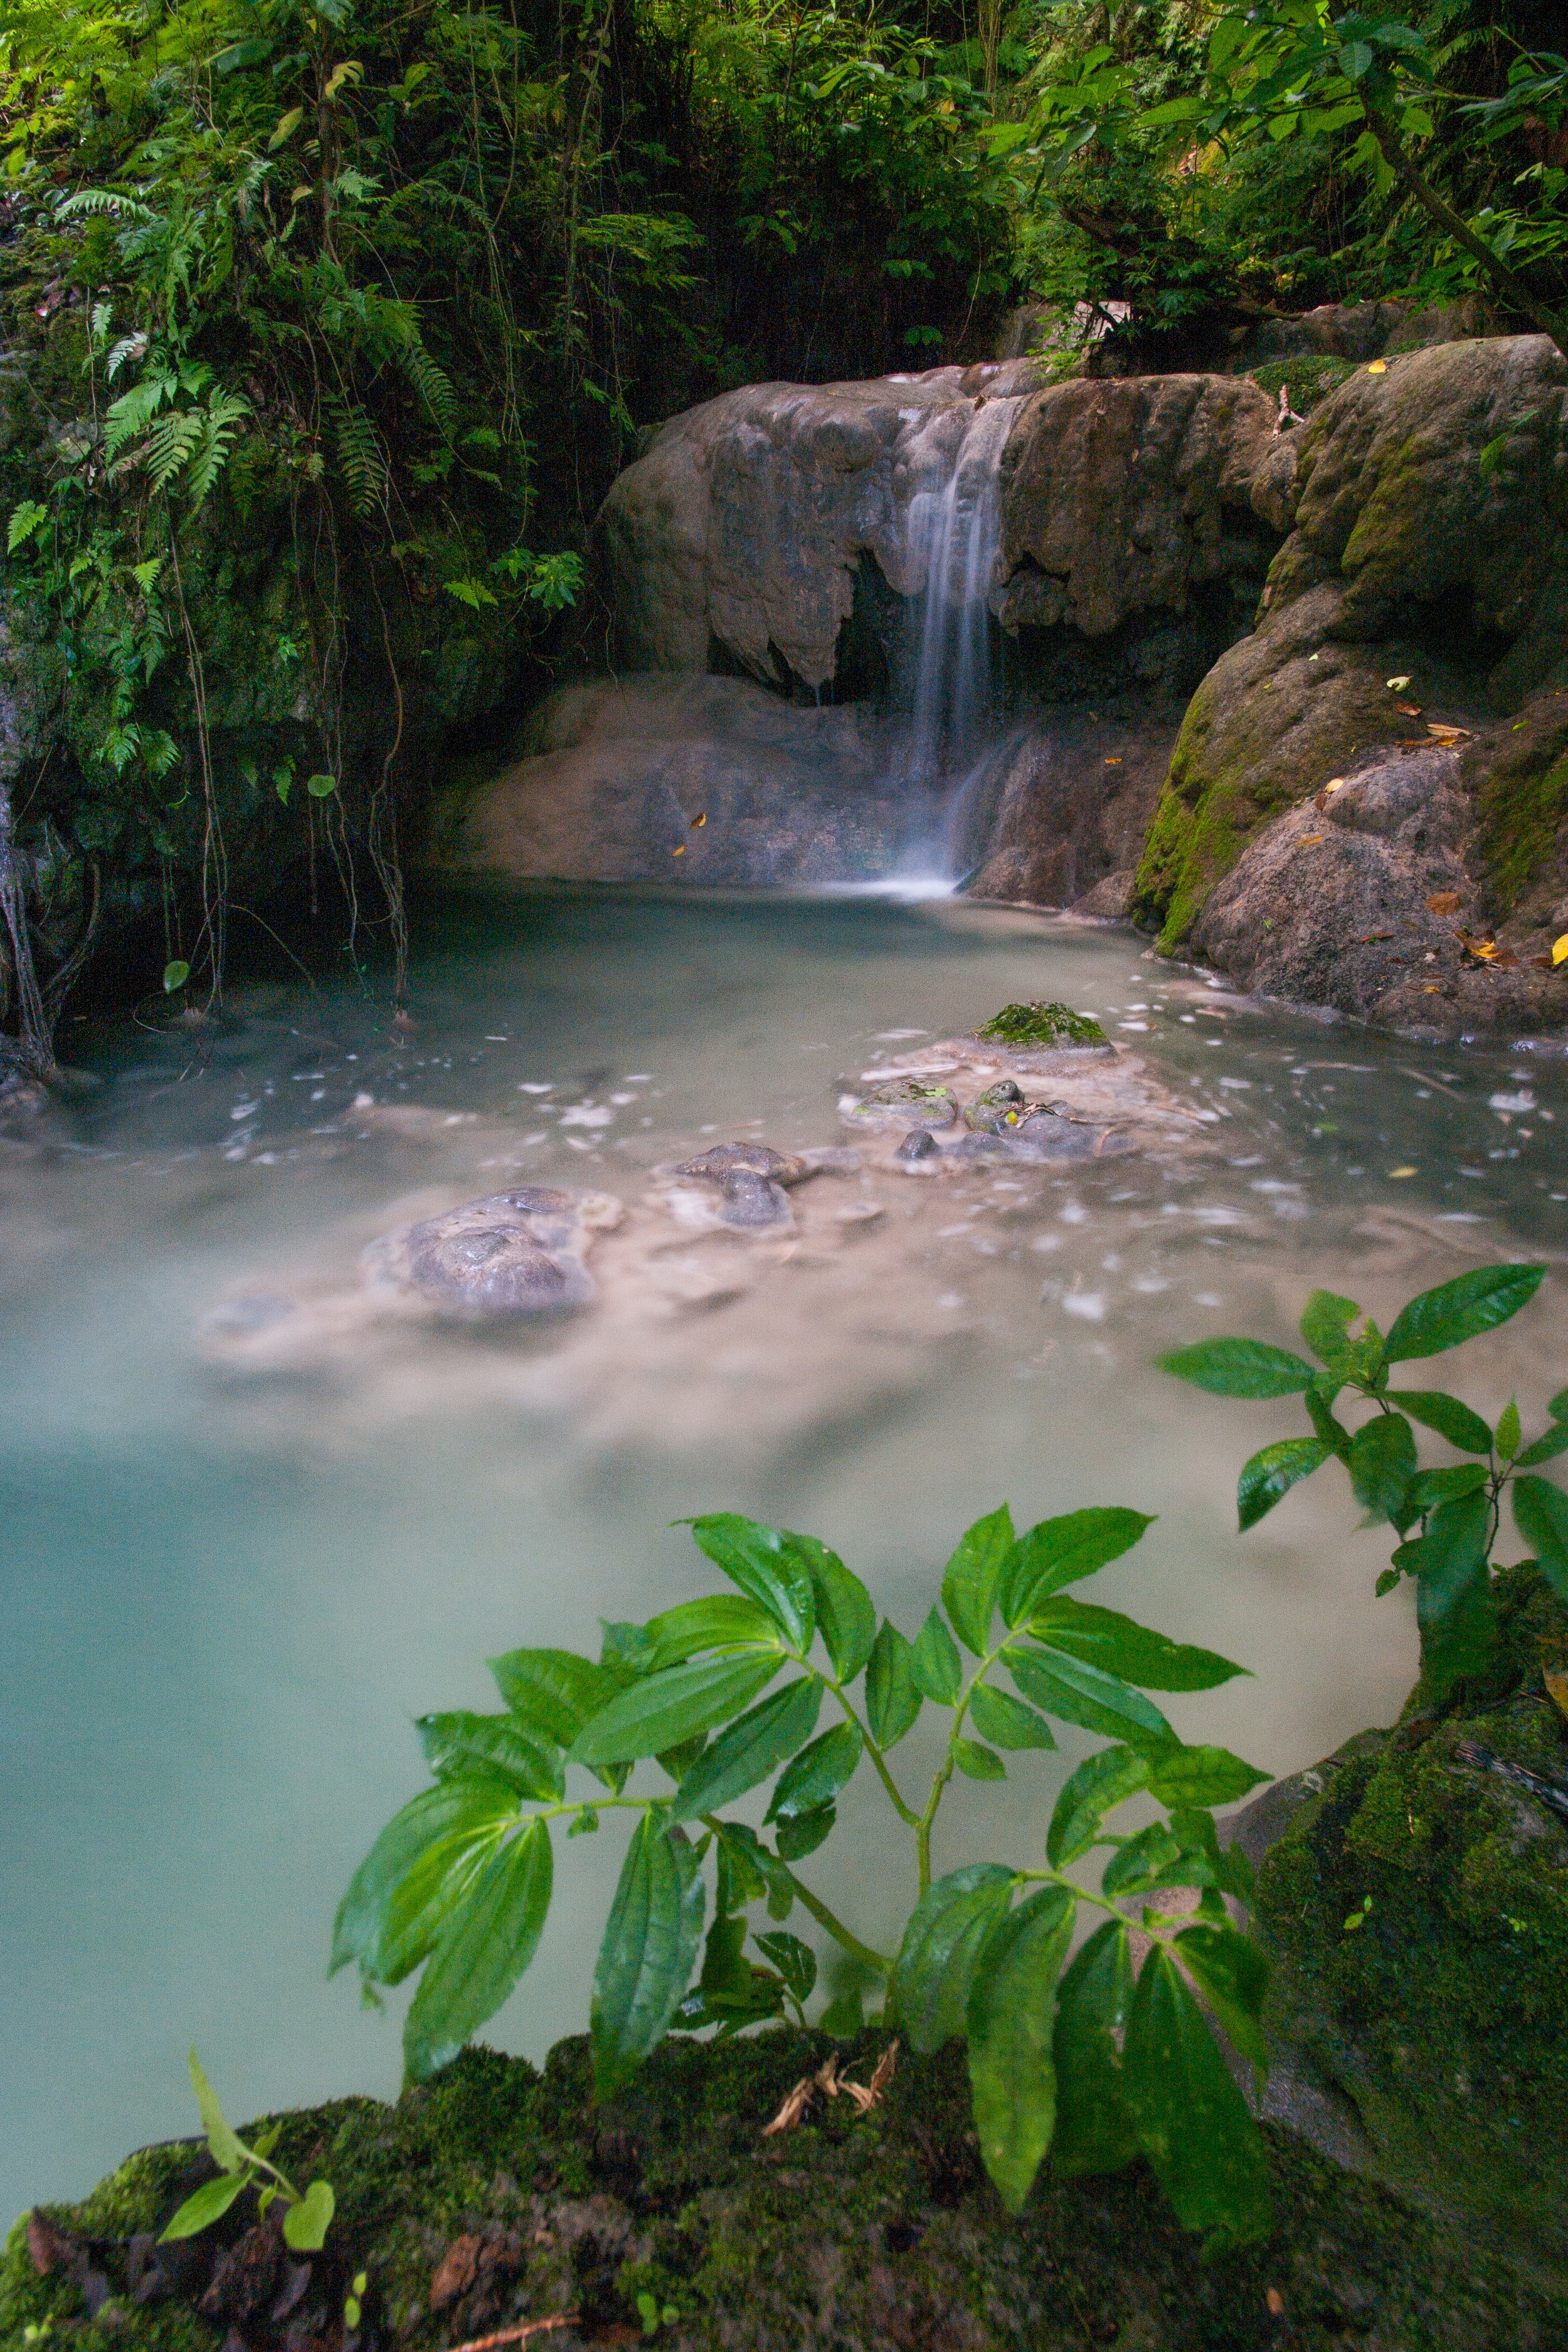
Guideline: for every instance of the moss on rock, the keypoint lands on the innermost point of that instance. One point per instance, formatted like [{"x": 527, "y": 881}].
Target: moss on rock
[{"x": 1043, "y": 1025}]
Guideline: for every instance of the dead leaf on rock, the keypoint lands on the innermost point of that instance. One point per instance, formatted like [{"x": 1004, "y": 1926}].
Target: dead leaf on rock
[
  {"x": 1310, "y": 840},
  {"x": 1408, "y": 709},
  {"x": 1444, "y": 733},
  {"x": 455, "y": 2272},
  {"x": 828, "y": 2080},
  {"x": 1114, "y": 764},
  {"x": 1443, "y": 902},
  {"x": 1368, "y": 938}
]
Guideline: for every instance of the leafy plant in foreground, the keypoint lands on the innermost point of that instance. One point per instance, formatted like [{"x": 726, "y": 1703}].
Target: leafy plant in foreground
[
  {"x": 1091, "y": 2058},
  {"x": 306, "y": 2217},
  {"x": 1449, "y": 1518}
]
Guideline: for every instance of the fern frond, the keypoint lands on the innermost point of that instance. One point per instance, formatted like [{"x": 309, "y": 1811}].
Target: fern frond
[
  {"x": 359, "y": 459},
  {"x": 88, "y": 201},
  {"x": 432, "y": 383},
  {"x": 171, "y": 444},
  {"x": 133, "y": 410},
  {"x": 224, "y": 411}
]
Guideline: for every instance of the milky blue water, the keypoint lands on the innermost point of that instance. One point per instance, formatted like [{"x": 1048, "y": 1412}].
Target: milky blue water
[{"x": 225, "y": 1596}]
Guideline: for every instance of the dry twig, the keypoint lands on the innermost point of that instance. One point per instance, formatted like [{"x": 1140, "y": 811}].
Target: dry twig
[
  {"x": 523, "y": 2334},
  {"x": 828, "y": 2078}
]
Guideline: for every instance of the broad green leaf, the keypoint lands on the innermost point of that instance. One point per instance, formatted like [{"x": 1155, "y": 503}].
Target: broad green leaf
[
  {"x": 934, "y": 1662},
  {"x": 1544, "y": 1449},
  {"x": 1452, "y": 1554},
  {"x": 1101, "y": 1782},
  {"x": 1325, "y": 1327},
  {"x": 1435, "y": 1408},
  {"x": 724, "y": 1967},
  {"x": 1079, "y": 1693},
  {"x": 1508, "y": 1432},
  {"x": 1193, "y": 2122},
  {"x": 1238, "y": 1368},
  {"x": 1430, "y": 1487},
  {"x": 845, "y": 1613},
  {"x": 801, "y": 1834},
  {"x": 1145, "y": 1861},
  {"x": 817, "y": 1773},
  {"x": 1232, "y": 1974},
  {"x": 1541, "y": 1515},
  {"x": 1271, "y": 1473},
  {"x": 553, "y": 1693},
  {"x": 228, "y": 2151},
  {"x": 1006, "y": 1721},
  {"x": 1459, "y": 1310},
  {"x": 1200, "y": 1776},
  {"x": 466, "y": 1742},
  {"x": 750, "y": 1750},
  {"x": 419, "y": 1909},
  {"x": 1557, "y": 1406},
  {"x": 1458, "y": 1640},
  {"x": 1319, "y": 1400},
  {"x": 175, "y": 976},
  {"x": 974, "y": 1577},
  {"x": 305, "y": 2224},
  {"x": 1010, "y": 2021},
  {"x": 427, "y": 1821},
  {"x": 1140, "y": 1656},
  {"x": 1059, "y": 1551},
  {"x": 795, "y": 1962},
  {"x": 892, "y": 1702},
  {"x": 978, "y": 1763},
  {"x": 748, "y": 1857},
  {"x": 671, "y": 1706},
  {"x": 1382, "y": 1464},
  {"x": 1095, "y": 2131},
  {"x": 720, "y": 1620},
  {"x": 946, "y": 1933},
  {"x": 651, "y": 1944},
  {"x": 211, "y": 2200},
  {"x": 767, "y": 1562}
]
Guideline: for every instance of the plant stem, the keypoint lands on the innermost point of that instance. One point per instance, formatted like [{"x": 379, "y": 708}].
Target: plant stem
[
  {"x": 840, "y": 1934},
  {"x": 878, "y": 1759}
]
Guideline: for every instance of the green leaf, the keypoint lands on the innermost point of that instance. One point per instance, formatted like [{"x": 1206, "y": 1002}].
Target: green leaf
[
  {"x": 1541, "y": 1515},
  {"x": 1148, "y": 1860},
  {"x": 767, "y": 1562},
  {"x": 1453, "y": 1551},
  {"x": 1333, "y": 1433},
  {"x": 1435, "y": 1408},
  {"x": 461, "y": 1742},
  {"x": 230, "y": 2152},
  {"x": 974, "y": 1577},
  {"x": 305, "y": 2225},
  {"x": 425, "y": 1822},
  {"x": 845, "y": 1614},
  {"x": 750, "y": 1750},
  {"x": 1325, "y": 1327},
  {"x": 720, "y": 1620},
  {"x": 1105, "y": 1639},
  {"x": 817, "y": 1773},
  {"x": 1232, "y": 1974},
  {"x": 1238, "y": 1368},
  {"x": 892, "y": 1702},
  {"x": 1430, "y": 1487},
  {"x": 1508, "y": 1432},
  {"x": 1461, "y": 1310},
  {"x": 1079, "y": 1693},
  {"x": 1557, "y": 1406},
  {"x": 1200, "y": 1776},
  {"x": 934, "y": 1662},
  {"x": 650, "y": 1943},
  {"x": 321, "y": 788},
  {"x": 1010, "y": 2021},
  {"x": 795, "y": 1962},
  {"x": 432, "y": 1893},
  {"x": 1006, "y": 1721},
  {"x": 488, "y": 1942},
  {"x": 671, "y": 1706},
  {"x": 1101, "y": 1782},
  {"x": 724, "y": 1967},
  {"x": 977, "y": 1763},
  {"x": 1271, "y": 1473},
  {"x": 211, "y": 2200},
  {"x": 748, "y": 1858},
  {"x": 1095, "y": 2130},
  {"x": 1382, "y": 1464},
  {"x": 1544, "y": 1449},
  {"x": 1193, "y": 2122},
  {"x": 801, "y": 1834},
  {"x": 1059, "y": 1551},
  {"x": 26, "y": 520},
  {"x": 943, "y": 1942},
  {"x": 175, "y": 976},
  {"x": 553, "y": 1693}
]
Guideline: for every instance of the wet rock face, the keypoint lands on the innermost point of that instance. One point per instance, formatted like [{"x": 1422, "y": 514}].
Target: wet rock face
[{"x": 515, "y": 1253}]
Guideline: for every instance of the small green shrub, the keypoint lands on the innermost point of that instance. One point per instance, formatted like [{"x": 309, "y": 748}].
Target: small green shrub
[{"x": 1043, "y": 1025}]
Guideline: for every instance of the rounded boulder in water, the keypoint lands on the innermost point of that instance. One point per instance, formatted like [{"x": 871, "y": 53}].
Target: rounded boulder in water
[
  {"x": 513, "y": 1254},
  {"x": 918, "y": 1145},
  {"x": 905, "y": 1102},
  {"x": 727, "y": 1160},
  {"x": 753, "y": 1199},
  {"x": 997, "y": 1111}
]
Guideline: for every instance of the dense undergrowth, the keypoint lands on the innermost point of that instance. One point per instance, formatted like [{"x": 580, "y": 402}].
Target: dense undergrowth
[{"x": 327, "y": 322}]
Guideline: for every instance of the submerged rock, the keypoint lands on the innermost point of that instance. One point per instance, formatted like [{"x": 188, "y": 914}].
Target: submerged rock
[
  {"x": 750, "y": 1199},
  {"x": 726, "y": 1160},
  {"x": 516, "y": 1253},
  {"x": 904, "y": 1102},
  {"x": 995, "y": 1108}
]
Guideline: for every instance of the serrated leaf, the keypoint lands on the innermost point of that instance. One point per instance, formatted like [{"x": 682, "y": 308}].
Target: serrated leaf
[
  {"x": 427, "y": 1823},
  {"x": 892, "y": 1702},
  {"x": 750, "y": 1750},
  {"x": 1202, "y": 1776},
  {"x": 1010, "y": 2022},
  {"x": 1232, "y": 1974},
  {"x": 1382, "y": 1464},
  {"x": 465, "y": 1741},
  {"x": 1101, "y": 1782},
  {"x": 795, "y": 1962},
  {"x": 553, "y": 1693},
  {"x": 1075, "y": 1692},
  {"x": 1193, "y": 2122},
  {"x": 978, "y": 1763},
  {"x": 207, "y": 2205},
  {"x": 1238, "y": 1368},
  {"x": 1062, "y": 1550},
  {"x": 649, "y": 1946},
  {"x": 945, "y": 1936},
  {"x": 671, "y": 1706},
  {"x": 817, "y": 1773},
  {"x": 1139, "y": 1655},
  {"x": 802, "y": 1833},
  {"x": 934, "y": 1663},
  {"x": 749, "y": 1857},
  {"x": 1268, "y": 1478},
  {"x": 1095, "y": 2131},
  {"x": 1541, "y": 1515},
  {"x": 974, "y": 1576},
  {"x": 767, "y": 1563},
  {"x": 1461, "y": 1310},
  {"x": 720, "y": 1620},
  {"x": 845, "y": 1613},
  {"x": 1006, "y": 1721},
  {"x": 306, "y": 2223},
  {"x": 486, "y": 1944},
  {"x": 1325, "y": 1327},
  {"x": 228, "y": 2150},
  {"x": 1435, "y": 1408}
]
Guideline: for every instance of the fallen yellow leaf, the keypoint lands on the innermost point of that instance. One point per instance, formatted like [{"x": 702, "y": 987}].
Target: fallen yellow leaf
[
  {"x": 1308, "y": 840},
  {"x": 1395, "y": 1173},
  {"x": 1397, "y": 685},
  {"x": 1560, "y": 950},
  {"x": 1335, "y": 784},
  {"x": 1443, "y": 902},
  {"x": 678, "y": 853},
  {"x": 1557, "y": 1684},
  {"x": 1114, "y": 764},
  {"x": 698, "y": 820},
  {"x": 1377, "y": 367}
]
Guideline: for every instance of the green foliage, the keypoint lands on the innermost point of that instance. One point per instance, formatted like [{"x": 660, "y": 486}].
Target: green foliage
[
  {"x": 459, "y": 1881},
  {"x": 1449, "y": 1518},
  {"x": 306, "y": 2217},
  {"x": 1042, "y": 1024}
]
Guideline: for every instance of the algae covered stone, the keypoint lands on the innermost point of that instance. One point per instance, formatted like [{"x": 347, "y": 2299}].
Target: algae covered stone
[{"x": 1042, "y": 1024}]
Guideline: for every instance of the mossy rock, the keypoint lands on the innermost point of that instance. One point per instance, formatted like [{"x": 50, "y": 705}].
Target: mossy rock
[
  {"x": 1307, "y": 380},
  {"x": 1042, "y": 1024},
  {"x": 1440, "y": 2015},
  {"x": 496, "y": 2193}
]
